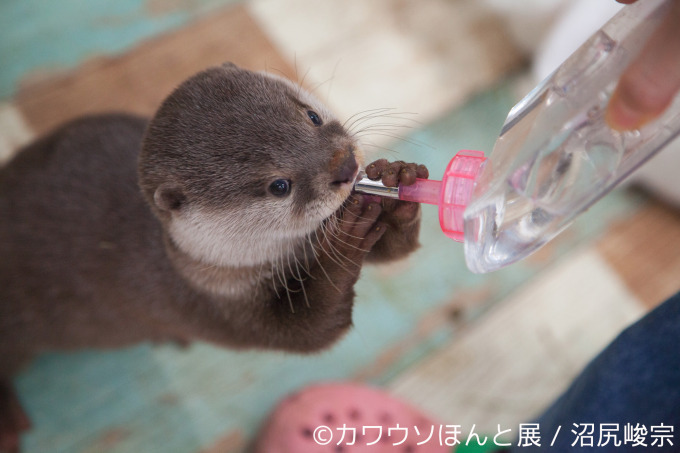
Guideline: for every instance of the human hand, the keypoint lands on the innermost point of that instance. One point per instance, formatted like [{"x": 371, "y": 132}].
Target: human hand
[{"x": 650, "y": 83}]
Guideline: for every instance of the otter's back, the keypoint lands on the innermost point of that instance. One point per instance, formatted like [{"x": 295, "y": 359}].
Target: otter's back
[{"x": 72, "y": 218}]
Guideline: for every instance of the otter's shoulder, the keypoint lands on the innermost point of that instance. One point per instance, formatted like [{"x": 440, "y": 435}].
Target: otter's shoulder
[
  {"x": 103, "y": 131},
  {"x": 89, "y": 144}
]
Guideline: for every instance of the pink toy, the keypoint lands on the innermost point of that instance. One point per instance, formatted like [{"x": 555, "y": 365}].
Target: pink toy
[
  {"x": 312, "y": 421},
  {"x": 452, "y": 194}
]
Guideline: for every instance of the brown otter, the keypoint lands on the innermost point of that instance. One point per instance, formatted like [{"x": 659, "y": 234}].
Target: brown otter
[{"x": 245, "y": 232}]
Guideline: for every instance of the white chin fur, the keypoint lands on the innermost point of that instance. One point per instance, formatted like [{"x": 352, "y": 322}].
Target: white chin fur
[{"x": 243, "y": 238}]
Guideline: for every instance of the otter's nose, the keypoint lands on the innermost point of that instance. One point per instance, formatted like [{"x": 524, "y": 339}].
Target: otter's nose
[{"x": 343, "y": 167}]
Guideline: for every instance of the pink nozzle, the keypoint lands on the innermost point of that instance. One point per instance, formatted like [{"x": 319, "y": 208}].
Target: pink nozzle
[
  {"x": 457, "y": 186},
  {"x": 452, "y": 194},
  {"x": 422, "y": 191}
]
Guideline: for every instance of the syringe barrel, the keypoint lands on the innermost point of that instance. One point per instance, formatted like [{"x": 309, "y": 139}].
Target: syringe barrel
[{"x": 422, "y": 191}]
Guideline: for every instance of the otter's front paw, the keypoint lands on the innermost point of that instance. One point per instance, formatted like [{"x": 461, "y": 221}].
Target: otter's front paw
[
  {"x": 401, "y": 217},
  {"x": 321, "y": 306},
  {"x": 312, "y": 308},
  {"x": 357, "y": 229}
]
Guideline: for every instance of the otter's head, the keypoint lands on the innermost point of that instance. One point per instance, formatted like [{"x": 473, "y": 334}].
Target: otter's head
[{"x": 238, "y": 164}]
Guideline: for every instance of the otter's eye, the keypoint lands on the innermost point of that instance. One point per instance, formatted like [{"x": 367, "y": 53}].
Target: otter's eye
[
  {"x": 280, "y": 187},
  {"x": 316, "y": 119}
]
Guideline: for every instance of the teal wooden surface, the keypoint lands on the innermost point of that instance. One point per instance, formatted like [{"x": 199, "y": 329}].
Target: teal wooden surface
[
  {"x": 162, "y": 398},
  {"x": 37, "y": 36}
]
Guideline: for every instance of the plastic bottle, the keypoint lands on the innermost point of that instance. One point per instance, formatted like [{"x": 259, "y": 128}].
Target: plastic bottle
[{"x": 555, "y": 155}]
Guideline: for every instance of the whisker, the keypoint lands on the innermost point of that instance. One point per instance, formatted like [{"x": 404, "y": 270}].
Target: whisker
[
  {"x": 346, "y": 259},
  {"x": 302, "y": 82},
  {"x": 305, "y": 266},
  {"x": 384, "y": 148},
  {"x": 332, "y": 249},
  {"x": 296, "y": 275},
  {"x": 330, "y": 85},
  {"x": 288, "y": 290},
  {"x": 339, "y": 255},
  {"x": 302, "y": 282},
  {"x": 366, "y": 114},
  {"x": 379, "y": 115},
  {"x": 282, "y": 279},
  {"x": 276, "y": 290},
  {"x": 277, "y": 70},
  {"x": 405, "y": 117},
  {"x": 318, "y": 261},
  {"x": 413, "y": 142},
  {"x": 381, "y": 127}
]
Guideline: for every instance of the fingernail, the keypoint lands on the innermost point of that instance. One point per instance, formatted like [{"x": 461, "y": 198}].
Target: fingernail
[{"x": 621, "y": 116}]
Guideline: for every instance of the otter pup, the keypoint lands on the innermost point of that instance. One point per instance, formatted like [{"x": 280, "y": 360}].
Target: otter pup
[{"x": 227, "y": 218}]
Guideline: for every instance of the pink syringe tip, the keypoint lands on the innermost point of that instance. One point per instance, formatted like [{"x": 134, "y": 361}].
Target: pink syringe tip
[{"x": 422, "y": 191}]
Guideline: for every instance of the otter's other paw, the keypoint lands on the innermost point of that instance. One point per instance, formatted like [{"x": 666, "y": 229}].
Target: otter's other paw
[
  {"x": 394, "y": 173},
  {"x": 401, "y": 217}
]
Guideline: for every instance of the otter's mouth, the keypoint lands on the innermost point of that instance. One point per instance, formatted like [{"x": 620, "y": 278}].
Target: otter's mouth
[
  {"x": 343, "y": 169},
  {"x": 342, "y": 193},
  {"x": 347, "y": 184},
  {"x": 345, "y": 188},
  {"x": 346, "y": 176}
]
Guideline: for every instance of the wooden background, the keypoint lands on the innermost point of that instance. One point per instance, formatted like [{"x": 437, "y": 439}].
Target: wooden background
[{"x": 467, "y": 349}]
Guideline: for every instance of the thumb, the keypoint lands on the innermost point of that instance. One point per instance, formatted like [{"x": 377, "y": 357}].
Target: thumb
[{"x": 651, "y": 81}]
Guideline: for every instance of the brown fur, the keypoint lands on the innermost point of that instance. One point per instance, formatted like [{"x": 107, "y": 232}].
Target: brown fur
[{"x": 86, "y": 258}]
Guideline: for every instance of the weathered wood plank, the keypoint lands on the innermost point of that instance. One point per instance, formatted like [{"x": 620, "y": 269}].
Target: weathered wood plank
[
  {"x": 137, "y": 81},
  {"x": 644, "y": 249}
]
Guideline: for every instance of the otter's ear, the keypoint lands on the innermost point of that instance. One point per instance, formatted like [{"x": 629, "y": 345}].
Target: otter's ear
[
  {"x": 169, "y": 197},
  {"x": 229, "y": 65}
]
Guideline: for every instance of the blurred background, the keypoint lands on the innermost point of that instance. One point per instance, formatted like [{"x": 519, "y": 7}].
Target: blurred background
[{"x": 467, "y": 349}]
